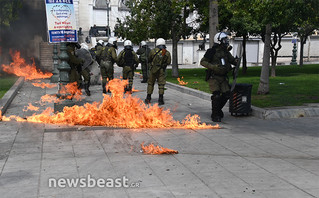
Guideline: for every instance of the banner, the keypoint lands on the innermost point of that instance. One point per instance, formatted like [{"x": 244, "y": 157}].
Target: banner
[{"x": 61, "y": 21}]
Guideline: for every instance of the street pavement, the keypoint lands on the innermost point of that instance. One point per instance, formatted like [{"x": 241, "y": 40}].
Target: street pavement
[{"x": 247, "y": 157}]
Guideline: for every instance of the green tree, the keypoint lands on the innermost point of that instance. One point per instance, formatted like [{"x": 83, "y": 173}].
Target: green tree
[
  {"x": 306, "y": 20},
  {"x": 8, "y": 11},
  {"x": 239, "y": 17},
  {"x": 155, "y": 19},
  {"x": 282, "y": 17}
]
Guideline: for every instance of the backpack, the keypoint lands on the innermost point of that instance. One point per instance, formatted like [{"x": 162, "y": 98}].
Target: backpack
[{"x": 159, "y": 57}]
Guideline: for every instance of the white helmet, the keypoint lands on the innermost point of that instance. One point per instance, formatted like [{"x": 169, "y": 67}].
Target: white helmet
[
  {"x": 219, "y": 37},
  {"x": 84, "y": 46},
  {"x": 160, "y": 41},
  {"x": 112, "y": 40},
  {"x": 101, "y": 42},
  {"x": 143, "y": 43},
  {"x": 127, "y": 43}
]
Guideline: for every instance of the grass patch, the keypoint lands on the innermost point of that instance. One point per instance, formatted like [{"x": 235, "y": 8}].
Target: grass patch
[
  {"x": 6, "y": 83},
  {"x": 292, "y": 86}
]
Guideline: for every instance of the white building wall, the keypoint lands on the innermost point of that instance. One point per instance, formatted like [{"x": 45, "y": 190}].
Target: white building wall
[
  {"x": 100, "y": 17},
  {"x": 85, "y": 14},
  {"x": 76, "y": 11},
  {"x": 188, "y": 51}
]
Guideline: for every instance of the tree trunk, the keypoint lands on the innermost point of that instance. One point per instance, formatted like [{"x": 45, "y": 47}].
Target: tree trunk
[
  {"x": 175, "y": 56},
  {"x": 244, "y": 55},
  {"x": 273, "y": 65},
  {"x": 264, "y": 75},
  {"x": 273, "y": 56},
  {"x": 302, "y": 43},
  {"x": 274, "y": 51},
  {"x": 213, "y": 20}
]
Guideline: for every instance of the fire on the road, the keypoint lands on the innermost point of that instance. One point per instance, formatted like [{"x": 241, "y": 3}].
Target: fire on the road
[
  {"x": 20, "y": 68},
  {"x": 117, "y": 110},
  {"x": 44, "y": 85},
  {"x": 156, "y": 150}
]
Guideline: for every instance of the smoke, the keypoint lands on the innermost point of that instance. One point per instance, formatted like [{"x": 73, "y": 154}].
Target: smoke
[{"x": 25, "y": 33}]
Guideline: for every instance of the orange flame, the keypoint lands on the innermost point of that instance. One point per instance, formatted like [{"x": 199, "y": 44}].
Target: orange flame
[
  {"x": 49, "y": 99},
  {"x": 181, "y": 82},
  {"x": 44, "y": 85},
  {"x": 119, "y": 110},
  {"x": 20, "y": 68},
  {"x": 0, "y": 115},
  {"x": 157, "y": 150},
  {"x": 31, "y": 108},
  {"x": 71, "y": 91},
  {"x": 135, "y": 90}
]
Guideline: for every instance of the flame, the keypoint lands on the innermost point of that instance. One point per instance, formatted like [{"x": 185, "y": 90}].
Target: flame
[
  {"x": 181, "y": 82},
  {"x": 44, "y": 85},
  {"x": 157, "y": 150},
  {"x": 20, "y": 68},
  {"x": 135, "y": 90},
  {"x": 49, "y": 99},
  {"x": 0, "y": 115},
  {"x": 31, "y": 108},
  {"x": 69, "y": 91},
  {"x": 118, "y": 110},
  {"x": 73, "y": 89}
]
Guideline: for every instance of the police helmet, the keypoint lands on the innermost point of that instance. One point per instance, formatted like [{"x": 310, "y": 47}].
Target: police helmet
[
  {"x": 101, "y": 42},
  {"x": 143, "y": 43},
  {"x": 160, "y": 41},
  {"x": 127, "y": 43},
  {"x": 221, "y": 38},
  {"x": 84, "y": 46}
]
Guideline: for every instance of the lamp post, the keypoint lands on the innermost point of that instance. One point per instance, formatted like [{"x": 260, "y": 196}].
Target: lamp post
[
  {"x": 64, "y": 69},
  {"x": 108, "y": 17},
  {"x": 55, "y": 57},
  {"x": 294, "y": 50}
]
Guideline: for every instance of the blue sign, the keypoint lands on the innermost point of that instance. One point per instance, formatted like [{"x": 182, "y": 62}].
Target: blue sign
[{"x": 61, "y": 21}]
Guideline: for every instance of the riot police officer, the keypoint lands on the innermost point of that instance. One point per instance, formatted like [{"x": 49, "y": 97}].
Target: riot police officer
[
  {"x": 74, "y": 62},
  {"x": 143, "y": 53},
  {"x": 129, "y": 61},
  {"x": 107, "y": 57},
  {"x": 218, "y": 60},
  {"x": 85, "y": 55},
  {"x": 158, "y": 58}
]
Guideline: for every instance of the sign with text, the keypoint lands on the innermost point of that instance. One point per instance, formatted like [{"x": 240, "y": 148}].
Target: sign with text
[{"x": 61, "y": 21}]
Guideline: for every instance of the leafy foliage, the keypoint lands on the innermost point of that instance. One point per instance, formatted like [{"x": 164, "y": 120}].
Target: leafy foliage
[
  {"x": 8, "y": 11},
  {"x": 154, "y": 19}
]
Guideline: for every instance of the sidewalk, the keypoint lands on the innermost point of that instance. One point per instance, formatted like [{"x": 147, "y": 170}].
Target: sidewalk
[{"x": 247, "y": 157}]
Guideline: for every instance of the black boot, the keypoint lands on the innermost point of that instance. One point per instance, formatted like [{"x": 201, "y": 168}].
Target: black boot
[
  {"x": 86, "y": 88},
  {"x": 161, "y": 99},
  {"x": 148, "y": 99},
  {"x": 103, "y": 86},
  {"x": 216, "y": 116},
  {"x": 129, "y": 89}
]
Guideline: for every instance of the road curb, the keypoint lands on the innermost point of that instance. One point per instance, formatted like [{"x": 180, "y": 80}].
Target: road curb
[
  {"x": 311, "y": 110},
  {"x": 6, "y": 100}
]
